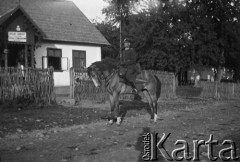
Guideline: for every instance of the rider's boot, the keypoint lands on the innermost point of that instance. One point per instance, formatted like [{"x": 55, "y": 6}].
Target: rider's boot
[{"x": 134, "y": 89}]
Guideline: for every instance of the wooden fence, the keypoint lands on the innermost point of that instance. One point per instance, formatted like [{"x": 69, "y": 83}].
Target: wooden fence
[
  {"x": 168, "y": 84},
  {"x": 33, "y": 84},
  {"x": 219, "y": 90},
  {"x": 82, "y": 88}
]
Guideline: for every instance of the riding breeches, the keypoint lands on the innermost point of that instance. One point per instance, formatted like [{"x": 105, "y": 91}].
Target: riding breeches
[{"x": 131, "y": 73}]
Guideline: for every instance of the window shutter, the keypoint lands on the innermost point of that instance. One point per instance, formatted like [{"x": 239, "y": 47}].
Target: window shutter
[
  {"x": 64, "y": 63},
  {"x": 44, "y": 62}
]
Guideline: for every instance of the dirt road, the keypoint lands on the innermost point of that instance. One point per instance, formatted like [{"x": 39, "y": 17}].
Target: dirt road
[{"x": 193, "y": 120}]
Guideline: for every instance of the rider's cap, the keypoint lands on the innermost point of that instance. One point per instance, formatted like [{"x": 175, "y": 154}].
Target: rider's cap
[{"x": 126, "y": 40}]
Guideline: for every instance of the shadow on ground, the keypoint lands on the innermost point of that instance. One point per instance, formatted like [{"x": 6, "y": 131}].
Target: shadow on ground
[{"x": 127, "y": 107}]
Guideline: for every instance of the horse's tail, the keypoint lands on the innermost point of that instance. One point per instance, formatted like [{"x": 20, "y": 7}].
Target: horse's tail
[{"x": 159, "y": 86}]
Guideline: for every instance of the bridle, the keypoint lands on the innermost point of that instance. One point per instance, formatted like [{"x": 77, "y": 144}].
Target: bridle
[{"x": 102, "y": 77}]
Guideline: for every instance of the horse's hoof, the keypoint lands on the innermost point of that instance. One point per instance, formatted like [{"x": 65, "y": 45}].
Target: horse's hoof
[
  {"x": 110, "y": 122},
  {"x": 155, "y": 118},
  {"x": 152, "y": 121},
  {"x": 118, "y": 121}
]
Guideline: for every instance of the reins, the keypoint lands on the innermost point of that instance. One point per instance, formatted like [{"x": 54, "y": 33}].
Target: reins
[
  {"x": 101, "y": 76},
  {"x": 107, "y": 78}
]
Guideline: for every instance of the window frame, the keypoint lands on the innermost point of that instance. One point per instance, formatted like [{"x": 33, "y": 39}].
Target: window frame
[
  {"x": 48, "y": 55},
  {"x": 45, "y": 60},
  {"x": 85, "y": 58}
]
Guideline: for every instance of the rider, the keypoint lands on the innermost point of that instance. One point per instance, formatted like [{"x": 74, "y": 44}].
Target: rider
[{"x": 129, "y": 62}]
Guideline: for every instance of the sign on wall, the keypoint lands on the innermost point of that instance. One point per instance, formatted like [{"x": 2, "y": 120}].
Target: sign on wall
[{"x": 17, "y": 36}]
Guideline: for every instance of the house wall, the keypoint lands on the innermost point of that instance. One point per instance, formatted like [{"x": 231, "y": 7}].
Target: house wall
[{"x": 93, "y": 53}]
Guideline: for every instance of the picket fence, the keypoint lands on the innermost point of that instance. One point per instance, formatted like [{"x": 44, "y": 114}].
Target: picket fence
[
  {"x": 82, "y": 88},
  {"x": 35, "y": 85},
  {"x": 219, "y": 90}
]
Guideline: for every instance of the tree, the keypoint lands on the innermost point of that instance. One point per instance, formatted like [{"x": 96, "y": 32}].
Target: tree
[
  {"x": 232, "y": 61},
  {"x": 117, "y": 12},
  {"x": 111, "y": 34},
  {"x": 175, "y": 35}
]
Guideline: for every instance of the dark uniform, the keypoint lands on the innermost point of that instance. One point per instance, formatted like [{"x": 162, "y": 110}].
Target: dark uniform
[{"x": 129, "y": 63}]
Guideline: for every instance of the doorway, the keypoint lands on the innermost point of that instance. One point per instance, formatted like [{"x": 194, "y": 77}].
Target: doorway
[{"x": 16, "y": 54}]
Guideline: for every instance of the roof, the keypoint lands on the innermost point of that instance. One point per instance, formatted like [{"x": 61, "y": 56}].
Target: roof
[
  {"x": 59, "y": 20},
  {"x": 11, "y": 12}
]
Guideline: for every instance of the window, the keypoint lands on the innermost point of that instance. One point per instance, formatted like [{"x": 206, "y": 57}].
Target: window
[
  {"x": 54, "y": 59},
  {"x": 79, "y": 59}
]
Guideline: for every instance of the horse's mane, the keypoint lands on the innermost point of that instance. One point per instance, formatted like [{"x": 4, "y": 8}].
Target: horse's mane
[{"x": 108, "y": 64}]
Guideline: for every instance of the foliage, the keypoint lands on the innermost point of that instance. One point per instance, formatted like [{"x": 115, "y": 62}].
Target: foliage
[
  {"x": 118, "y": 9},
  {"x": 175, "y": 35},
  {"x": 111, "y": 33}
]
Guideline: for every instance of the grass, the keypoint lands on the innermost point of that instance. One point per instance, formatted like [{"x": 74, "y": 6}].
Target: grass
[{"x": 188, "y": 91}]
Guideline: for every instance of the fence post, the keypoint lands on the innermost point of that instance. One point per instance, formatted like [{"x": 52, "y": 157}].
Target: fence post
[
  {"x": 174, "y": 85},
  {"x": 216, "y": 89},
  {"x": 71, "y": 82},
  {"x": 51, "y": 72},
  {"x": 70, "y": 75},
  {"x": 233, "y": 89}
]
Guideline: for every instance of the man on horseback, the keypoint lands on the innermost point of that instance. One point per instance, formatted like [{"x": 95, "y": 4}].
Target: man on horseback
[
  {"x": 106, "y": 72},
  {"x": 129, "y": 63}
]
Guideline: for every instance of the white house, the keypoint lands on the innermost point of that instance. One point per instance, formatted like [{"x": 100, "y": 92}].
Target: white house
[{"x": 44, "y": 33}]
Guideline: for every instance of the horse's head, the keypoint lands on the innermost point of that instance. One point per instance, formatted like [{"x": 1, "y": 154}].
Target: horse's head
[
  {"x": 94, "y": 74},
  {"x": 101, "y": 70}
]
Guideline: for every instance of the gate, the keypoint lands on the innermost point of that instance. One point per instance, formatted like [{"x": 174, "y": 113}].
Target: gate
[{"x": 82, "y": 88}]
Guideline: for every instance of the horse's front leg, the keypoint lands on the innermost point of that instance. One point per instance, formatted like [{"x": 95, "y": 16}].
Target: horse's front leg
[
  {"x": 119, "y": 118},
  {"x": 112, "y": 106},
  {"x": 152, "y": 100}
]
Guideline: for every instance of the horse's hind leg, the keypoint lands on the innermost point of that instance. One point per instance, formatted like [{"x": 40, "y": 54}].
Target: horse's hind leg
[
  {"x": 154, "y": 98},
  {"x": 151, "y": 104}
]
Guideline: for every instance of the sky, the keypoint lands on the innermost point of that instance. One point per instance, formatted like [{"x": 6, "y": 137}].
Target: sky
[{"x": 91, "y": 8}]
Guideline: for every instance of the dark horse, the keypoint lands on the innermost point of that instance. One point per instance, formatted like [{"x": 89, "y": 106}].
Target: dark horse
[{"x": 108, "y": 71}]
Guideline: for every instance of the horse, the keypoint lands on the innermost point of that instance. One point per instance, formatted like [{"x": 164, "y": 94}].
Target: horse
[{"x": 108, "y": 71}]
